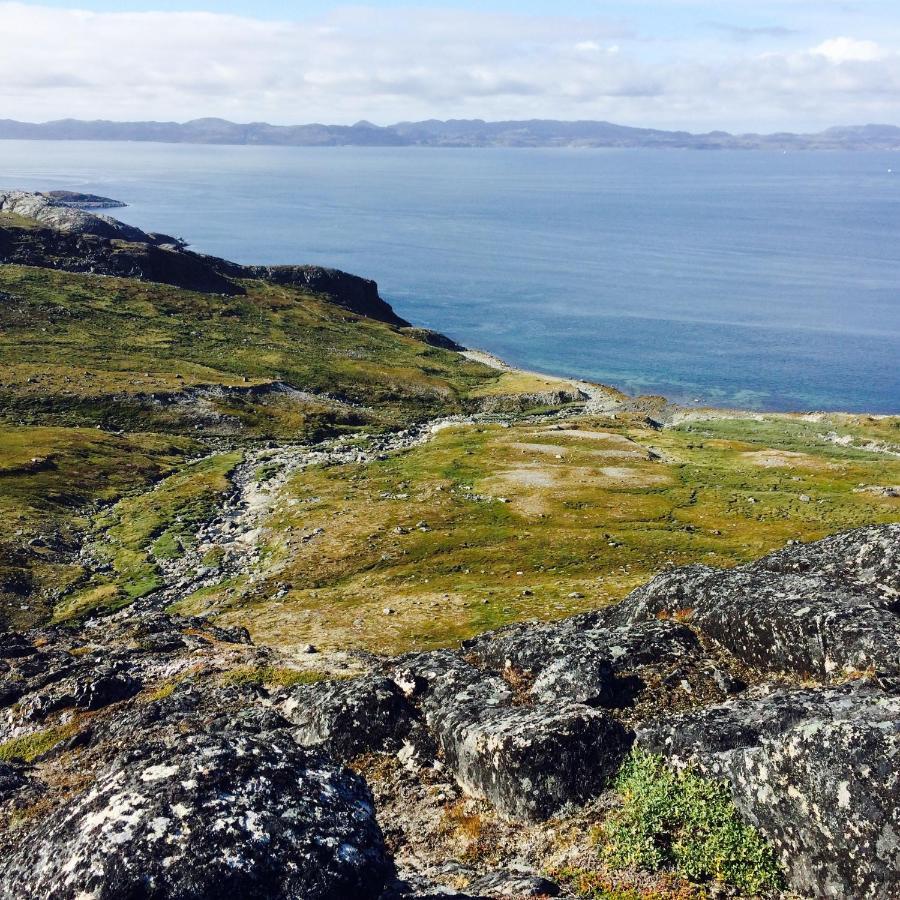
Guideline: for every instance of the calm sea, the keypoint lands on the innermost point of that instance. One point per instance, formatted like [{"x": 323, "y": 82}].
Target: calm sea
[{"x": 763, "y": 280}]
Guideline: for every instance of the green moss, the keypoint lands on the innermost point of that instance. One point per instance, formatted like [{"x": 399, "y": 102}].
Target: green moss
[
  {"x": 156, "y": 524},
  {"x": 271, "y": 676},
  {"x": 679, "y": 819},
  {"x": 32, "y": 746}
]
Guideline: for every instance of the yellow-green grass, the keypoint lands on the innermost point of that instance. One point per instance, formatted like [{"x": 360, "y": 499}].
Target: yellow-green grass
[
  {"x": 271, "y": 676},
  {"x": 141, "y": 529},
  {"x": 81, "y": 349},
  {"x": 514, "y": 381},
  {"x": 590, "y": 512},
  {"x": 30, "y": 747},
  {"x": 50, "y": 479}
]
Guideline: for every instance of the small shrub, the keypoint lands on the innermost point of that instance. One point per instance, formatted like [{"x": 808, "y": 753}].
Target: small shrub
[{"x": 678, "y": 819}]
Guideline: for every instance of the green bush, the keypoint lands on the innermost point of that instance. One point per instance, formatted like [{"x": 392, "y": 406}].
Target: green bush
[{"x": 679, "y": 819}]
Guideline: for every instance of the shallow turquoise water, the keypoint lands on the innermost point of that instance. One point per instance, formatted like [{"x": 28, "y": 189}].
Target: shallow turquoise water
[{"x": 751, "y": 278}]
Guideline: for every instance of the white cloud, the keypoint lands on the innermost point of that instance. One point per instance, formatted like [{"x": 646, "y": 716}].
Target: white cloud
[
  {"x": 845, "y": 49},
  {"x": 388, "y": 65}
]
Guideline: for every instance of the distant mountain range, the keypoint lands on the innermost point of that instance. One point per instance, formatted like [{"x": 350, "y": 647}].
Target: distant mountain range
[{"x": 452, "y": 133}]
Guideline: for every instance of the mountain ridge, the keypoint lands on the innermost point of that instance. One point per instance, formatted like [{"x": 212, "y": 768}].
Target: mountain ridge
[{"x": 448, "y": 133}]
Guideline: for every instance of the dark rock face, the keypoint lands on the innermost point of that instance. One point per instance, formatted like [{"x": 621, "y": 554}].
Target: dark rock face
[
  {"x": 214, "y": 815},
  {"x": 97, "y": 255},
  {"x": 824, "y": 609},
  {"x": 347, "y": 718},
  {"x": 11, "y": 779},
  {"x": 359, "y": 295},
  {"x": 833, "y": 810},
  {"x": 582, "y": 660},
  {"x": 528, "y": 762}
]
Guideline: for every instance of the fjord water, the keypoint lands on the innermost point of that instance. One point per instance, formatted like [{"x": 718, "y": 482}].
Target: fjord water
[{"x": 755, "y": 279}]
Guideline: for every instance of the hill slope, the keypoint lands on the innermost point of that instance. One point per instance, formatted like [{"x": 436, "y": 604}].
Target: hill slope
[{"x": 452, "y": 133}]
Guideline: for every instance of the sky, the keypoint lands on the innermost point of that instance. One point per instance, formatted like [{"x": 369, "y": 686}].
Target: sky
[{"x": 768, "y": 65}]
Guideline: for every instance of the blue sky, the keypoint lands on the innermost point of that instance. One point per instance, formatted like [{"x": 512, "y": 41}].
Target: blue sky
[{"x": 743, "y": 66}]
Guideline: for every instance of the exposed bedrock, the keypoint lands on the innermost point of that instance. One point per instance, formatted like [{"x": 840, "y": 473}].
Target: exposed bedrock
[
  {"x": 820, "y": 610},
  {"x": 779, "y": 678},
  {"x": 210, "y": 815}
]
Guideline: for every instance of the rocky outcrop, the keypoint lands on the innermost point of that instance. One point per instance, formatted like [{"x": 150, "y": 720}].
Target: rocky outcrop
[
  {"x": 202, "y": 787},
  {"x": 82, "y": 201},
  {"x": 359, "y": 295},
  {"x": 212, "y": 814},
  {"x": 826, "y": 609},
  {"x": 70, "y": 217},
  {"x": 122, "y": 256}
]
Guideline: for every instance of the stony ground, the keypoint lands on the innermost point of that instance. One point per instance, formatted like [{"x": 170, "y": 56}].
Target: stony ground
[{"x": 482, "y": 771}]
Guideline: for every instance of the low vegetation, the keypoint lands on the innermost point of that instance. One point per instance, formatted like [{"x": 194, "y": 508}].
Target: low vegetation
[
  {"x": 486, "y": 525},
  {"x": 32, "y": 746},
  {"x": 141, "y": 530},
  {"x": 85, "y": 350},
  {"x": 678, "y": 819},
  {"x": 271, "y": 676}
]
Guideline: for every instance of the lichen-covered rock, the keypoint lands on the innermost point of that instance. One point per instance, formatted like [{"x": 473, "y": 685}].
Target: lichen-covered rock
[
  {"x": 707, "y": 737},
  {"x": 213, "y": 815},
  {"x": 11, "y": 779},
  {"x": 827, "y": 795},
  {"x": 348, "y": 717},
  {"x": 514, "y": 885},
  {"x": 528, "y": 761},
  {"x": 531, "y": 762},
  {"x": 819, "y": 610},
  {"x": 579, "y": 659}
]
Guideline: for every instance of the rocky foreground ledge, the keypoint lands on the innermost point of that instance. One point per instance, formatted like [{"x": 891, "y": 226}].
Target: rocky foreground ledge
[{"x": 137, "y": 764}]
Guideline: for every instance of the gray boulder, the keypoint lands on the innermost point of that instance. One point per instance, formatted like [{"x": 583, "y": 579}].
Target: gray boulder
[
  {"x": 213, "y": 815},
  {"x": 347, "y": 718},
  {"x": 528, "y": 760}
]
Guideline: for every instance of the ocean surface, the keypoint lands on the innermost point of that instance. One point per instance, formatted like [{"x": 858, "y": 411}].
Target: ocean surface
[{"x": 756, "y": 279}]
